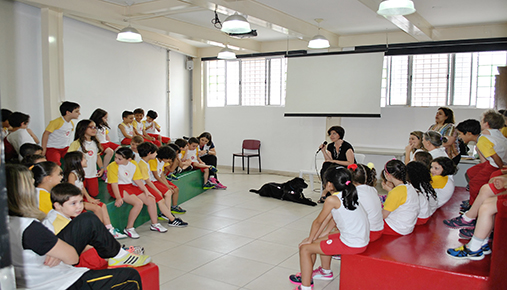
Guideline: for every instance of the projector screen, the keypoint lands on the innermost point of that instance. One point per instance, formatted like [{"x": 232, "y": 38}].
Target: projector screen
[{"x": 334, "y": 85}]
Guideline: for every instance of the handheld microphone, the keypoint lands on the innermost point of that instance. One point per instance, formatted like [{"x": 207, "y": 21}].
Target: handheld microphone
[{"x": 324, "y": 143}]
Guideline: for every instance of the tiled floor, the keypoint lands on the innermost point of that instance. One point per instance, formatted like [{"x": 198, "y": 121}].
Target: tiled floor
[{"x": 235, "y": 240}]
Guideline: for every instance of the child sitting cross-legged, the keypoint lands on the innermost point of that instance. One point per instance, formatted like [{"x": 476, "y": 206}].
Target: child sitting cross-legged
[
  {"x": 192, "y": 154},
  {"x": 162, "y": 192}
]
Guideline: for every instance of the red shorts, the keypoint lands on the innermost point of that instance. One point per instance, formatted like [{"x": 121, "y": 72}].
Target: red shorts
[
  {"x": 55, "y": 154},
  {"x": 501, "y": 206},
  {"x": 92, "y": 186},
  {"x": 125, "y": 141},
  {"x": 375, "y": 235},
  {"x": 495, "y": 190},
  {"x": 90, "y": 259},
  {"x": 129, "y": 188},
  {"x": 164, "y": 139},
  {"x": 99, "y": 204},
  {"x": 155, "y": 193},
  {"x": 109, "y": 145},
  {"x": 421, "y": 221},
  {"x": 334, "y": 246},
  {"x": 389, "y": 231},
  {"x": 172, "y": 185}
]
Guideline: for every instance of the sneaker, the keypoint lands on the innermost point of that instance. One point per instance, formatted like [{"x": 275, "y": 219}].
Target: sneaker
[
  {"x": 464, "y": 253},
  {"x": 117, "y": 234},
  {"x": 466, "y": 234},
  {"x": 162, "y": 216},
  {"x": 319, "y": 274},
  {"x": 177, "y": 209},
  {"x": 179, "y": 170},
  {"x": 220, "y": 186},
  {"x": 213, "y": 169},
  {"x": 296, "y": 279},
  {"x": 208, "y": 185},
  {"x": 213, "y": 180},
  {"x": 131, "y": 233},
  {"x": 486, "y": 249},
  {"x": 130, "y": 260},
  {"x": 172, "y": 177},
  {"x": 337, "y": 257},
  {"x": 158, "y": 228},
  {"x": 138, "y": 250},
  {"x": 459, "y": 222},
  {"x": 299, "y": 287},
  {"x": 177, "y": 222},
  {"x": 464, "y": 207}
]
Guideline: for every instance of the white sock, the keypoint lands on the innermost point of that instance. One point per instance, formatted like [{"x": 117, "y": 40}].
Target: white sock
[
  {"x": 306, "y": 287},
  {"x": 326, "y": 271},
  {"x": 475, "y": 244},
  {"x": 109, "y": 226},
  {"x": 122, "y": 253},
  {"x": 466, "y": 218}
]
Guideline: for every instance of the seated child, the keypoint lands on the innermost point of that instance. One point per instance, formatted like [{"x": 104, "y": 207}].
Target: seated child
[
  {"x": 126, "y": 129},
  {"x": 442, "y": 179},
  {"x": 183, "y": 164},
  {"x": 401, "y": 208},
  {"x": 5, "y": 122},
  {"x": 122, "y": 174},
  {"x": 46, "y": 175},
  {"x": 99, "y": 116},
  {"x": 139, "y": 130},
  {"x": 174, "y": 168},
  {"x": 153, "y": 129},
  {"x": 192, "y": 154},
  {"x": 30, "y": 149},
  {"x": 419, "y": 176},
  {"x": 134, "y": 142},
  {"x": 20, "y": 133},
  {"x": 30, "y": 160},
  {"x": 414, "y": 145},
  {"x": 423, "y": 157},
  {"x": 342, "y": 210},
  {"x": 37, "y": 253},
  {"x": 162, "y": 192},
  {"x": 57, "y": 136}
]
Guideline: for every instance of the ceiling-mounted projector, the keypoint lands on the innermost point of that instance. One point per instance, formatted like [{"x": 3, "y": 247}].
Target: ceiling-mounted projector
[{"x": 252, "y": 33}]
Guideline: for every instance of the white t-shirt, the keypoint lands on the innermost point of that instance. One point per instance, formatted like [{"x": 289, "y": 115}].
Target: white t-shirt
[
  {"x": 444, "y": 187},
  {"x": 368, "y": 198},
  {"x": 18, "y": 138},
  {"x": 61, "y": 133},
  {"x": 123, "y": 174},
  {"x": 128, "y": 128},
  {"x": 353, "y": 225},
  {"x": 192, "y": 155},
  {"x": 438, "y": 152},
  {"x": 403, "y": 219},
  {"x": 90, "y": 155},
  {"x": 102, "y": 135}
]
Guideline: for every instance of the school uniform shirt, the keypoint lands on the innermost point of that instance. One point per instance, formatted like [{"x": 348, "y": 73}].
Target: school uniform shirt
[
  {"x": 90, "y": 153},
  {"x": 424, "y": 206},
  {"x": 128, "y": 128},
  {"x": 444, "y": 187},
  {"x": 144, "y": 167},
  {"x": 61, "y": 133},
  {"x": 438, "y": 152},
  {"x": 30, "y": 241},
  {"x": 492, "y": 144},
  {"x": 353, "y": 224},
  {"x": 44, "y": 200},
  {"x": 151, "y": 129},
  {"x": 158, "y": 166},
  {"x": 403, "y": 203},
  {"x": 77, "y": 183},
  {"x": 137, "y": 157},
  {"x": 18, "y": 138},
  {"x": 368, "y": 198},
  {"x": 102, "y": 135},
  {"x": 192, "y": 155},
  {"x": 55, "y": 221},
  {"x": 139, "y": 126},
  {"x": 123, "y": 174},
  {"x": 412, "y": 154}
]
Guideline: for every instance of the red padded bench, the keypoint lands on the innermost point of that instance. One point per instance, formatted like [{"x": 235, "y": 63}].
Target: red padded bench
[{"x": 419, "y": 261}]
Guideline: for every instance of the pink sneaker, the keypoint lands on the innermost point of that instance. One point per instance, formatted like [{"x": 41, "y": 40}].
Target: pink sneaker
[
  {"x": 319, "y": 274},
  {"x": 220, "y": 186}
]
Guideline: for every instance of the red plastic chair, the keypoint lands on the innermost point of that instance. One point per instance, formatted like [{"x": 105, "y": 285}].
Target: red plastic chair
[{"x": 250, "y": 145}]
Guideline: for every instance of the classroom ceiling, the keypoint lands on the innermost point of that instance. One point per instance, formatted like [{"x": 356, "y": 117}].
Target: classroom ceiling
[{"x": 185, "y": 25}]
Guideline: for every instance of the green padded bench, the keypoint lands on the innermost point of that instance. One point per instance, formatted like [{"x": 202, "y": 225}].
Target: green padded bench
[{"x": 190, "y": 185}]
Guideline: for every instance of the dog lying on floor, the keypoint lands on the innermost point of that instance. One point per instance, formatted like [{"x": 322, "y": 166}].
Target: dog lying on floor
[{"x": 291, "y": 190}]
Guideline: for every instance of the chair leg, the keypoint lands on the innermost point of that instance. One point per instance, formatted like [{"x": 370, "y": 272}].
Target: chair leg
[
  {"x": 233, "y": 157},
  {"x": 248, "y": 166},
  {"x": 259, "y": 163},
  {"x": 243, "y": 162}
]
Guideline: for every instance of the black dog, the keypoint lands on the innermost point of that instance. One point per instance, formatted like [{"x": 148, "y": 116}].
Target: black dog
[{"x": 291, "y": 190}]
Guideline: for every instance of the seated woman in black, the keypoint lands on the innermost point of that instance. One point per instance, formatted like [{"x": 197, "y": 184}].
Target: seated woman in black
[{"x": 338, "y": 152}]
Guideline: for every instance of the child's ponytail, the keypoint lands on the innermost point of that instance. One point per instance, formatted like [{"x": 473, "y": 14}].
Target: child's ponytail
[
  {"x": 420, "y": 178},
  {"x": 341, "y": 179},
  {"x": 362, "y": 174},
  {"x": 397, "y": 169}
]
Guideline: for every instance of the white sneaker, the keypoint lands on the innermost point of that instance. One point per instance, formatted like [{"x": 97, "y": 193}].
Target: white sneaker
[
  {"x": 158, "y": 227},
  {"x": 117, "y": 234},
  {"x": 131, "y": 233}
]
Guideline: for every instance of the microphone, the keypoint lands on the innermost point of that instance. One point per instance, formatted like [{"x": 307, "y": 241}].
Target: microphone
[{"x": 324, "y": 143}]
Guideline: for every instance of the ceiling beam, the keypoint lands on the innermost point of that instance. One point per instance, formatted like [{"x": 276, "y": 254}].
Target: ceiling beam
[{"x": 414, "y": 24}]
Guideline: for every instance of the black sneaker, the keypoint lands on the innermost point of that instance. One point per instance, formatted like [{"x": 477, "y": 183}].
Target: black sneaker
[
  {"x": 177, "y": 222},
  {"x": 296, "y": 279}
]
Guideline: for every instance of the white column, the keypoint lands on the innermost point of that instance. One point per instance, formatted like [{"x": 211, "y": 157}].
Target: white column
[{"x": 198, "y": 104}]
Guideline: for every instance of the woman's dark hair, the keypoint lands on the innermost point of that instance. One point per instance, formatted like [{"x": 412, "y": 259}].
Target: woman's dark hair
[
  {"x": 435, "y": 138},
  {"x": 341, "y": 179},
  {"x": 420, "y": 178},
  {"x": 125, "y": 152},
  {"x": 97, "y": 117},
  {"x": 81, "y": 128},
  {"x": 41, "y": 170},
  {"x": 448, "y": 166},
  {"x": 449, "y": 114},
  {"x": 72, "y": 161},
  {"x": 206, "y": 135},
  {"x": 397, "y": 169},
  {"x": 362, "y": 174},
  {"x": 338, "y": 129}
]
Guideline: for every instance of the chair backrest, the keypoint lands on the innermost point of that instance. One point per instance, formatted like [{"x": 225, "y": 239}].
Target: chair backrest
[
  {"x": 251, "y": 144},
  {"x": 359, "y": 158}
]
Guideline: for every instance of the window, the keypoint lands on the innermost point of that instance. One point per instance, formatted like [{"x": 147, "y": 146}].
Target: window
[
  {"x": 246, "y": 82},
  {"x": 456, "y": 79}
]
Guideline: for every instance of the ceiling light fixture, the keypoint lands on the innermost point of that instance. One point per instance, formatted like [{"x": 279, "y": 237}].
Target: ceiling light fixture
[
  {"x": 318, "y": 41},
  {"x": 226, "y": 53},
  {"x": 236, "y": 24},
  {"x": 396, "y": 7},
  {"x": 129, "y": 34}
]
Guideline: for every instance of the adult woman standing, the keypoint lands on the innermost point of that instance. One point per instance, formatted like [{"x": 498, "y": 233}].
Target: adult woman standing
[
  {"x": 444, "y": 124},
  {"x": 208, "y": 155},
  {"x": 338, "y": 152}
]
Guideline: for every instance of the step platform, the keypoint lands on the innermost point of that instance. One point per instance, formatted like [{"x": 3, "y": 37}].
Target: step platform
[{"x": 418, "y": 260}]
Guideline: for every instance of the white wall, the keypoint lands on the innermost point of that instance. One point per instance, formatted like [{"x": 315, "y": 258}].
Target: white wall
[
  {"x": 20, "y": 61},
  {"x": 180, "y": 86}
]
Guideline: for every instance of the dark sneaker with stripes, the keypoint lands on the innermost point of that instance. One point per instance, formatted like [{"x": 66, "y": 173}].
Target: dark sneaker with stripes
[
  {"x": 177, "y": 222},
  {"x": 459, "y": 222}
]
